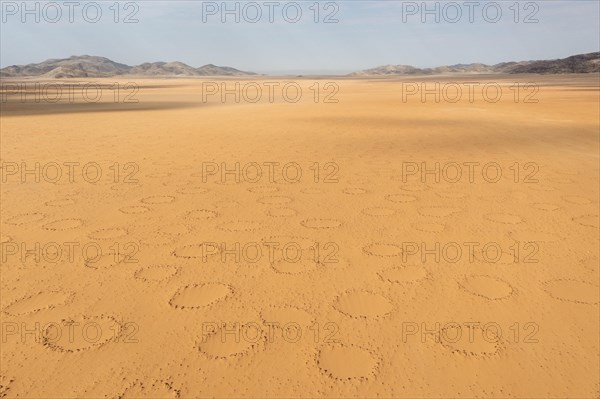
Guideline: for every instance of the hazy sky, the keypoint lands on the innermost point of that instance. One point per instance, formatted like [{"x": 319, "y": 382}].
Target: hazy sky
[{"x": 366, "y": 34}]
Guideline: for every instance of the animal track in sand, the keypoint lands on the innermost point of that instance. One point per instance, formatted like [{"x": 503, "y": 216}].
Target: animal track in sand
[
  {"x": 400, "y": 198},
  {"x": 263, "y": 189},
  {"x": 25, "y": 218},
  {"x": 363, "y": 304},
  {"x": 134, "y": 210},
  {"x": 316, "y": 223},
  {"x": 158, "y": 199},
  {"x": 197, "y": 251},
  {"x": 39, "y": 301},
  {"x": 572, "y": 291},
  {"x": 274, "y": 200},
  {"x": 347, "y": 362},
  {"x": 504, "y": 218},
  {"x": 379, "y": 211},
  {"x": 575, "y": 199},
  {"x": 221, "y": 344},
  {"x": 61, "y": 202},
  {"x": 382, "y": 249},
  {"x": 588, "y": 220},
  {"x": 90, "y": 332},
  {"x": 544, "y": 206},
  {"x": 196, "y": 296},
  {"x": 281, "y": 212},
  {"x": 470, "y": 340},
  {"x": 438, "y": 211},
  {"x": 63, "y": 224},
  {"x": 404, "y": 274},
  {"x": 108, "y": 233},
  {"x": 156, "y": 273},
  {"x": 488, "y": 287},
  {"x": 240, "y": 225},
  {"x": 429, "y": 227},
  {"x": 192, "y": 190},
  {"x": 155, "y": 389}
]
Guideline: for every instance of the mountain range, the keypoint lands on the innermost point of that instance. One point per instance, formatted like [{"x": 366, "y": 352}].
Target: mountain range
[
  {"x": 582, "y": 63},
  {"x": 87, "y": 66}
]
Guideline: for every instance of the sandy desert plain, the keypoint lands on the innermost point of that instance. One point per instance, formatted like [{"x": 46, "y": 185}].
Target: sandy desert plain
[{"x": 361, "y": 277}]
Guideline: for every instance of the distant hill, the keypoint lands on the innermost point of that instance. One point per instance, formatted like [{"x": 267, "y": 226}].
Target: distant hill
[
  {"x": 583, "y": 63},
  {"x": 87, "y": 66}
]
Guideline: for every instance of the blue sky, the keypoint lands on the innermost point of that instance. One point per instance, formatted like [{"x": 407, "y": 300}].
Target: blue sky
[{"x": 367, "y": 34}]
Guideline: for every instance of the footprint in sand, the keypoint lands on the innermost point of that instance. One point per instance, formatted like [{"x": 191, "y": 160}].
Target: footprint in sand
[{"x": 347, "y": 362}]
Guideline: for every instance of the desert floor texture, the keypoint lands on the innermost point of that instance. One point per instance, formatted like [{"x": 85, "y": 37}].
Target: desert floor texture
[{"x": 184, "y": 246}]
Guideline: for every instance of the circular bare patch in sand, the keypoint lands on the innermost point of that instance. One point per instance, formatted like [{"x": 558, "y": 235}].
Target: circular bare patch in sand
[
  {"x": 88, "y": 332},
  {"x": 470, "y": 340},
  {"x": 192, "y": 190},
  {"x": 274, "y": 200},
  {"x": 572, "y": 291},
  {"x": 134, "y": 210},
  {"x": 64, "y": 224},
  {"x": 199, "y": 295},
  {"x": 223, "y": 345},
  {"x": 354, "y": 191},
  {"x": 158, "y": 199},
  {"x": 281, "y": 212},
  {"x": 156, "y": 273},
  {"x": 240, "y": 225},
  {"x": 25, "y": 218},
  {"x": 534, "y": 236},
  {"x": 316, "y": 223},
  {"x": 588, "y": 221},
  {"x": 404, "y": 274},
  {"x": 303, "y": 265},
  {"x": 576, "y": 199},
  {"x": 197, "y": 251},
  {"x": 263, "y": 189},
  {"x": 344, "y": 362},
  {"x": 438, "y": 211},
  {"x": 378, "y": 212},
  {"x": 155, "y": 389},
  {"x": 415, "y": 188},
  {"x": 488, "y": 287},
  {"x": 61, "y": 202},
  {"x": 40, "y": 301},
  {"x": 544, "y": 206},
  {"x": 505, "y": 218},
  {"x": 429, "y": 227},
  {"x": 382, "y": 249},
  {"x": 363, "y": 304},
  {"x": 108, "y": 233},
  {"x": 201, "y": 214},
  {"x": 451, "y": 194},
  {"x": 400, "y": 198}
]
